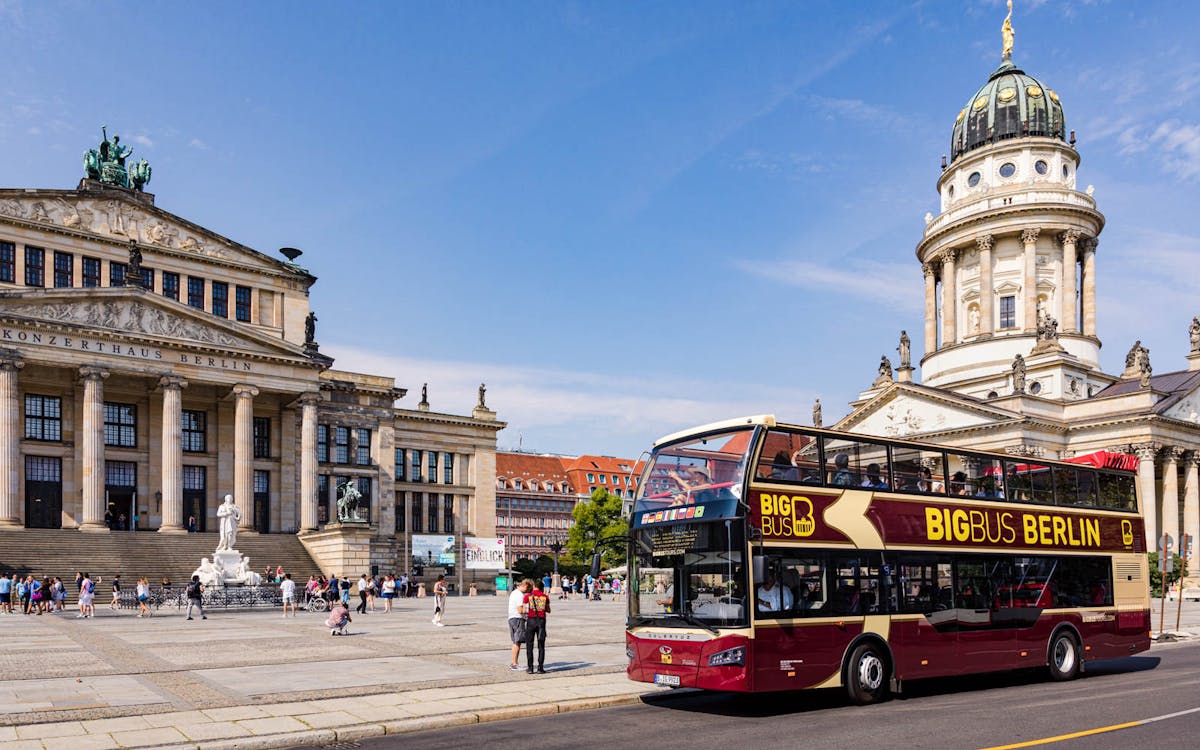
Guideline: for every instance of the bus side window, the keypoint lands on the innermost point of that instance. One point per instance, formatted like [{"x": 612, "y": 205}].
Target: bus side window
[{"x": 803, "y": 577}]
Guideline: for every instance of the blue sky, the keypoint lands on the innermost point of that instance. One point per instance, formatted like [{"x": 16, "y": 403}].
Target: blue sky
[{"x": 626, "y": 218}]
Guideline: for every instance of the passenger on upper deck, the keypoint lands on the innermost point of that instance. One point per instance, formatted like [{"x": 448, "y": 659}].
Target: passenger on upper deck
[
  {"x": 926, "y": 483},
  {"x": 782, "y": 468},
  {"x": 841, "y": 475},
  {"x": 773, "y": 597},
  {"x": 958, "y": 484},
  {"x": 874, "y": 480}
]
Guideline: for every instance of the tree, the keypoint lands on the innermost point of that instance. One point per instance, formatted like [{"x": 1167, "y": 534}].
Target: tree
[
  {"x": 1174, "y": 573},
  {"x": 597, "y": 518}
]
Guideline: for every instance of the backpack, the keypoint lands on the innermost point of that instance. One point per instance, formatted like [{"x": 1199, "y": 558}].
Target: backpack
[{"x": 193, "y": 589}]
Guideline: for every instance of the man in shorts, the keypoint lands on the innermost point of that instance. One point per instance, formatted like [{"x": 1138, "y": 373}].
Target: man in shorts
[
  {"x": 6, "y": 587},
  {"x": 287, "y": 587},
  {"x": 516, "y": 621}
]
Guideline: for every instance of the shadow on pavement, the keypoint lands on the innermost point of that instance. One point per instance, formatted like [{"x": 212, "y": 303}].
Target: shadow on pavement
[
  {"x": 564, "y": 666},
  {"x": 764, "y": 705}
]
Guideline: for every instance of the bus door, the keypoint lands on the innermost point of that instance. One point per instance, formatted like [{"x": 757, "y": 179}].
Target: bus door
[
  {"x": 982, "y": 607},
  {"x": 793, "y": 644},
  {"x": 924, "y": 631}
]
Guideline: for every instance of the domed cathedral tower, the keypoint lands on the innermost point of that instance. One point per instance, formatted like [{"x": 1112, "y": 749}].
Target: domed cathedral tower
[{"x": 1009, "y": 262}]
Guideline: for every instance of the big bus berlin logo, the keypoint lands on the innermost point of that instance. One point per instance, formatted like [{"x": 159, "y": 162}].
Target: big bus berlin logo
[{"x": 787, "y": 515}]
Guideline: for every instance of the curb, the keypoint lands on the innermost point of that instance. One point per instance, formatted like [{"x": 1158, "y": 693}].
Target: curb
[{"x": 353, "y": 732}]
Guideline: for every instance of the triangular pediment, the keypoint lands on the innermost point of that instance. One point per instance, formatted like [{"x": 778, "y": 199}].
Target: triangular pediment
[
  {"x": 119, "y": 215},
  {"x": 146, "y": 317},
  {"x": 906, "y": 410},
  {"x": 1186, "y": 407}
]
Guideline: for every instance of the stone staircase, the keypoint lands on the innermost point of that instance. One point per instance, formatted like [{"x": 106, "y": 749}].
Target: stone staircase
[{"x": 61, "y": 552}]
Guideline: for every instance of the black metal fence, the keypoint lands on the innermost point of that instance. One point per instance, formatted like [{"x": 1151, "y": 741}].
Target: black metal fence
[{"x": 232, "y": 597}]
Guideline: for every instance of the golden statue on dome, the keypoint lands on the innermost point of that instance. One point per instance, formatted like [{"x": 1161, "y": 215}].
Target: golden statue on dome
[{"x": 1007, "y": 32}]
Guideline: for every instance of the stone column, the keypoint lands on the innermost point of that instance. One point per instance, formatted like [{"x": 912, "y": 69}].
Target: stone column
[
  {"x": 949, "y": 298},
  {"x": 1089, "y": 286},
  {"x": 930, "y": 307},
  {"x": 1070, "y": 261},
  {"x": 93, "y": 449},
  {"x": 1029, "y": 239},
  {"x": 308, "y": 461},
  {"x": 1170, "y": 498},
  {"x": 172, "y": 454},
  {"x": 1146, "y": 453},
  {"x": 10, "y": 441},
  {"x": 243, "y": 454},
  {"x": 986, "y": 325},
  {"x": 1191, "y": 506}
]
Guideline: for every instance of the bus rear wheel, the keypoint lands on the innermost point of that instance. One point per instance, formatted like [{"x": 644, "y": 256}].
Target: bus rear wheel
[
  {"x": 1064, "y": 657},
  {"x": 867, "y": 675}
]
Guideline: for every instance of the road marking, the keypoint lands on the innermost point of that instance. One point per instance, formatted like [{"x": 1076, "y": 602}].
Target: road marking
[{"x": 1097, "y": 730}]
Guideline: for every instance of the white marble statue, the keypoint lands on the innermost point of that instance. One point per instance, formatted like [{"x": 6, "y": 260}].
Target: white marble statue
[
  {"x": 228, "y": 515},
  {"x": 210, "y": 573},
  {"x": 245, "y": 575}
]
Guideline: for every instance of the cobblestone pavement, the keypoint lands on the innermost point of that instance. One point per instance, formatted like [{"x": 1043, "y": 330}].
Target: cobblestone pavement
[{"x": 118, "y": 680}]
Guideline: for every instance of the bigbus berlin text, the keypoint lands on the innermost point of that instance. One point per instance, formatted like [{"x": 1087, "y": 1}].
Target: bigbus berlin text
[{"x": 1002, "y": 527}]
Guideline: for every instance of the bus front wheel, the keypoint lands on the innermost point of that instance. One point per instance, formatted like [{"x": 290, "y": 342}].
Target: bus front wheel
[
  {"x": 867, "y": 675},
  {"x": 1064, "y": 656}
]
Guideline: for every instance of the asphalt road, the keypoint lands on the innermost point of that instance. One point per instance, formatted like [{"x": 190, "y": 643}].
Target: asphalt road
[{"x": 986, "y": 711}]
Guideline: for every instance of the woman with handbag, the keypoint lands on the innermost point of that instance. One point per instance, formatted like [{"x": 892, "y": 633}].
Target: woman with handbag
[{"x": 439, "y": 600}]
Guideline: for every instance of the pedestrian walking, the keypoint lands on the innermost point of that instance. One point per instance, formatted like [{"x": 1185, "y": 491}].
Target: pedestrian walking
[
  {"x": 195, "y": 597},
  {"x": 6, "y": 590},
  {"x": 372, "y": 592},
  {"x": 535, "y": 606},
  {"x": 60, "y": 595},
  {"x": 388, "y": 592},
  {"x": 288, "y": 589},
  {"x": 516, "y": 620},
  {"x": 116, "y": 592},
  {"x": 363, "y": 585},
  {"x": 87, "y": 592},
  {"x": 344, "y": 594},
  {"x": 439, "y": 600},
  {"x": 143, "y": 597}
]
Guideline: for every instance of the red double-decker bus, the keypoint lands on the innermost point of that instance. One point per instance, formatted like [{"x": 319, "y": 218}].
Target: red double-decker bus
[{"x": 767, "y": 557}]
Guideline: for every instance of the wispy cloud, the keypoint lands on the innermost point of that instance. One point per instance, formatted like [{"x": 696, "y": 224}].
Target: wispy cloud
[
  {"x": 143, "y": 140},
  {"x": 871, "y": 280},
  {"x": 196, "y": 143},
  {"x": 1178, "y": 147},
  {"x": 570, "y": 410}
]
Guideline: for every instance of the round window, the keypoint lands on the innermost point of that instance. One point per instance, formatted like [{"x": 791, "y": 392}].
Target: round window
[
  {"x": 992, "y": 394},
  {"x": 973, "y": 180},
  {"x": 1008, "y": 169},
  {"x": 980, "y": 103},
  {"x": 1035, "y": 388},
  {"x": 1041, "y": 166},
  {"x": 1006, "y": 94},
  {"x": 1034, "y": 91},
  {"x": 1066, "y": 172}
]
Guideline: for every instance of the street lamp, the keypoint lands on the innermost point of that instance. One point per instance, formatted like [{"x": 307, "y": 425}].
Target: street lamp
[{"x": 556, "y": 546}]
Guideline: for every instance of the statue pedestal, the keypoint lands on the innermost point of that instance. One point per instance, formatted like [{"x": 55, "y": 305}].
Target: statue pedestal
[
  {"x": 229, "y": 560},
  {"x": 343, "y": 548},
  {"x": 1193, "y": 361}
]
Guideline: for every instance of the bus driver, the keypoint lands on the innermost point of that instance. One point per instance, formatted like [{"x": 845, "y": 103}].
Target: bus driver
[{"x": 771, "y": 596}]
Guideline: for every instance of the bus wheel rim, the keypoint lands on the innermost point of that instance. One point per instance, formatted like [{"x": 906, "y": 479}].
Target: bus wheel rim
[
  {"x": 1064, "y": 655},
  {"x": 870, "y": 671}
]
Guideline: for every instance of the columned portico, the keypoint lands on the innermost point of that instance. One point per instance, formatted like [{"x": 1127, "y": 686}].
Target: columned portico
[
  {"x": 1146, "y": 453},
  {"x": 1029, "y": 240},
  {"x": 10, "y": 441},
  {"x": 93, "y": 449},
  {"x": 172, "y": 454},
  {"x": 243, "y": 453},
  {"x": 309, "y": 506},
  {"x": 985, "y": 284}
]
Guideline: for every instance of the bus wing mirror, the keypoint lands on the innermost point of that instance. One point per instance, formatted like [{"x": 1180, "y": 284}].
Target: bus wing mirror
[{"x": 596, "y": 565}]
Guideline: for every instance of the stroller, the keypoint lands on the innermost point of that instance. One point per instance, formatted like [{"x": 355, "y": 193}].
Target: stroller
[{"x": 338, "y": 617}]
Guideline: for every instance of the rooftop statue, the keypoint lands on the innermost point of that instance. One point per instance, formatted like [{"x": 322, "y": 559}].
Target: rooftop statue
[
  {"x": 1007, "y": 32},
  {"x": 106, "y": 163}
]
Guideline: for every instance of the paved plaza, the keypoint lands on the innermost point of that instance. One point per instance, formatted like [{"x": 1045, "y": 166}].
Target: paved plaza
[{"x": 256, "y": 677}]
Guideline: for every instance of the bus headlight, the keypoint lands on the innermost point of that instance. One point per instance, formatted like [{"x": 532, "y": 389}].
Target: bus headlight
[{"x": 730, "y": 657}]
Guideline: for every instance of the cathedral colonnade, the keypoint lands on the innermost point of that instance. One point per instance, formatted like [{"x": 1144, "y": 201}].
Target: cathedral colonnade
[
  {"x": 1169, "y": 485},
  {"x": 948, "y": 279}
]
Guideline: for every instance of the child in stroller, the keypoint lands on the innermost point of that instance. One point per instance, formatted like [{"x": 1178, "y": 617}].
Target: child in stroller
[{"x": 338, "y": 617}]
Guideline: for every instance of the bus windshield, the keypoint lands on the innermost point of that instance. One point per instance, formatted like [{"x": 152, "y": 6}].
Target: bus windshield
[
  {"x": 695, "y": 471},
  {"x": 689, "y": 575}
]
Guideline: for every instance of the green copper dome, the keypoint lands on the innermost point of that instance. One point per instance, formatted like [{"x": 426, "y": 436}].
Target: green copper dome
[{"x": 1010, "y": 105}]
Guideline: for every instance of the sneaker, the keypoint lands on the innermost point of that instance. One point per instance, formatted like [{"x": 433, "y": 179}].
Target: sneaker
[
  {"x": 434, "y": 621},
  {"x": 541, "y": 671},
  {"x": 441, "y": 625},
  {"x": 333, "y": 632},
  {"x": 515, "y": 667},
  {"x": 203, "y": 617},
  {"x": 528, "y": 671},
  {"x": 189, "y": 618}
]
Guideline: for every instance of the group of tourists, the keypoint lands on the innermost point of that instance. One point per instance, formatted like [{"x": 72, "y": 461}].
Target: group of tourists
[
  {"x": 31, "y": 596},
  {"x": 369, "y": 589},
  {"x": 588, "y": 587}
]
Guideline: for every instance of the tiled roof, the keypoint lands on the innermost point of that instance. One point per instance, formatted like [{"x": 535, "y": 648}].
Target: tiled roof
[{"x": 1175, "y": 384}]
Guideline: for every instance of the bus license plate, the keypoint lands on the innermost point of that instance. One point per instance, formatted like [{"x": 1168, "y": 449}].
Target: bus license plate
[{"x": 670, "y": 680}]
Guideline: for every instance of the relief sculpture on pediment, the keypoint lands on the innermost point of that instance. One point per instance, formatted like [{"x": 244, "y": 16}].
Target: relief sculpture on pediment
[
  {"x": 73, "y": 216},
  {"x": 133, "y": 316},
  {"x": 160, "y": 233}
]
